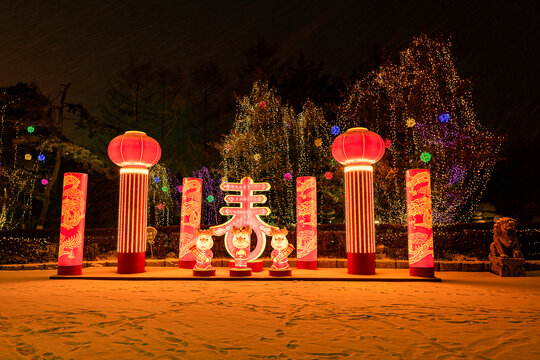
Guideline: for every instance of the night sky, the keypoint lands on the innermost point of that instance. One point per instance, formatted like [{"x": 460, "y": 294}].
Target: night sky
[{"x": 87, "y": 42}]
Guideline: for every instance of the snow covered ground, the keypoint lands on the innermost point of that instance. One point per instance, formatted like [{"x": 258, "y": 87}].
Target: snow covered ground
[{"x": 468, "y": 315}]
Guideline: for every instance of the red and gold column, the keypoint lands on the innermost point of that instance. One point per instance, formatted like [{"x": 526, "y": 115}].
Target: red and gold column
[
  {"x": 357, "y": 149},
  {"x": 70, "y": 250},
  {"x": 419, "y": 223},
  {"x": 306, "y": 222},
  {"x": 360, "y": 222},
  {"x": 135, "y": 152},
  {"x": 190, "y": 220}
]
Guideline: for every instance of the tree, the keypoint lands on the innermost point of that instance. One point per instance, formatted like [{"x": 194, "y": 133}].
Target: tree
[
  {"x": 424, "y": 110},
  {"x": 272, "y": 143}
]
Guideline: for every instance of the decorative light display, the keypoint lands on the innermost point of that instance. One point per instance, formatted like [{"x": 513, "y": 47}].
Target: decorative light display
[
  {"x": 285, "y": 141},
  {"x": 245, "y": 215},
  {"x": 425, "y": 157},
  {"x": 27, "y": 157},
  {"x": 306, "y": 222},
  {"x": 357, "y": 149},
  {"x": 161, "y": 206},
  {"x": 157, "y": 179},
  {"x": 190, "y": 220},
  {"x": 210, "y": 198},
  {"x": 159, "y": 194},
  {"x": 387, "y": 143},
  {"x": 44, "y": 181},
  {"x": 179, "y": 188},
  {"x": 410, "y": 122},
  {"x": 30, "y": 129},
  {"x": 404, "y": 102},
  {"x": 328, "y": 175},
  {"x": 335, "y": 130},
  {"x": 262, "y": 105},
  {"x": 280, "y": 254},
  {"x": 287, "y": 176},
  {"x": 164, "y": 188},
  {"x": 134, "y": 152},
  {"x": 419, "y": 222},
  {"x": 70, "y": 250},
  {"x": 41, "y": 157},
  {"x": 202, "y": 253},
  {"x": 257, "y": 157},
  {"x": 318, "y": 142},
  {"x": 444, "y": 118}
]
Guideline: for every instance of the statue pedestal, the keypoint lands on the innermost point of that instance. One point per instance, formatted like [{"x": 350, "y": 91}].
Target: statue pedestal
[
  {"x": 507, "y": 267},
  {"x": 204, "y": 272},
  {"x": 280, "y": 272}
]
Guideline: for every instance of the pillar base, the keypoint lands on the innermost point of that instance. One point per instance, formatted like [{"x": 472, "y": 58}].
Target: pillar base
[
  {"x": 131, "y": 263},
  {"x": 422, "y": 272},
  {"x": 239, "y": 272},
  {"x": 256, "y": 265},
  {"x": 70, "y": 270},
  {"x": 204, "y": 272},
  {"x": 187, "y": 264},
  {"x": 308, "y": 265},
  {"x": 361, "y": 263},
  {"x": 280, "y": 272}
]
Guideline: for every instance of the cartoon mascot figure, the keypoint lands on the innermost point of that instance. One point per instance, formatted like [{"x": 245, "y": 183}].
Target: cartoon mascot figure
[
  {"x": 241, "y": 242},
  {"x": 203, "y": 254},
  {"x": 281, "y": 252}
]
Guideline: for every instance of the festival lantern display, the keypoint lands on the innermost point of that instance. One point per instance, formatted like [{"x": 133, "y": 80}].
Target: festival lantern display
[
  {"x": 245, "y": 215},
  {"x": 190, "y": 220},
  {"x": 280, "y": 254},
  {"x": 358, "y": 149},
  {"x": 134, "y": 152},
  {"x": 70, "y": 250},
  {"x": 419, "y": 223},
  {"x": 306, "y": 222},
  {"x": 203, "y": 254}
]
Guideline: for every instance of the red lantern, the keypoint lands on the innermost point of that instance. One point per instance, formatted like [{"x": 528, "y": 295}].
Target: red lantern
[
  {"x": 358, "y": 146},
  {"x": 357, "y": 149},
  {"x": 134, "y": 152},
  {"x": 134, "y": 149}
]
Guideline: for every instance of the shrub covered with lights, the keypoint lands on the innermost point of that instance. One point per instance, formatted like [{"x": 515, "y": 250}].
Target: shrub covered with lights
[
  {"x": 270, "y": 142},
  {"x": 425, "y": 112}
]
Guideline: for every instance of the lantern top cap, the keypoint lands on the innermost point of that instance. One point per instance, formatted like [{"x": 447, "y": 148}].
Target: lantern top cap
[
  {"x": 358, "y": 146},
  {"x": 135, "y": 132}
]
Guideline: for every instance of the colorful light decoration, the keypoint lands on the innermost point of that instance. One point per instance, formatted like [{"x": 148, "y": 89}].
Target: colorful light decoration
[
  {"x": 425, "y": 157},
  {"x": 179, "y": 188},
  {"x": 387, "y": 143},
  {"x": 257, "y": 157},
  {"x": 287, "y": 176},
  {"x": 164, "y": 188},
  {"x": 134, "y": 152},
  {"x": 444, "y": 118},
  {"x": 328, "y": 175},
  {"x": 27, "y": 157},
  {"x": 30, "y": 129},
  {"x": 41, "y": 157},
  {"x": 335, "y": 130},
  {"x": 157, "y": 179},
  {"x": 318, "y": 142},
  {"x": 357, "y": 149},
  {"x": 410, "y": 122},
  {"x": 262, "y": 105},
  {"x": 306, "y": 222},
  {"x": 70, "y": 250},
  {"x": 161, "y": 206},
  {"x": 190, "y": 220},
  {"x": 245, "y": 215},
  {"x": 44, "y": 181},
  {"x": 419, "y": 222}
]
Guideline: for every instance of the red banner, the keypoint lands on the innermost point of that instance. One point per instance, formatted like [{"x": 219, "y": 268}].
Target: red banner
[
  {"x": 306, "y": 222},
  {"x": 419, "y": 222},
  {"x": 190, "y": 220},
  {"x": 70, "y": 251}
]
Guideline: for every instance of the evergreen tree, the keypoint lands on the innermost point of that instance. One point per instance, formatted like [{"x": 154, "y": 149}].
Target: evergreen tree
[{"x": 424, "y": 111}]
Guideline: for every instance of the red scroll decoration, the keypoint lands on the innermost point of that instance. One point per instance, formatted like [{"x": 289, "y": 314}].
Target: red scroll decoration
[
  {"x": 190, "y": 220},
  {"x": 419, "y": 223},
  {"x": 70, "y": 251},
  {"x": 306, "y": 222}
]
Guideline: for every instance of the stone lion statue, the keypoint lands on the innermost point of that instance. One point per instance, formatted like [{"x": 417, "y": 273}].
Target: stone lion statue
[{"x": 505, "y": 241}]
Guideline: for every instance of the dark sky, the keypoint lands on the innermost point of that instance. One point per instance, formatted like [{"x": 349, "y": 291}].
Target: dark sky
[{"x": 87, "y": 42}]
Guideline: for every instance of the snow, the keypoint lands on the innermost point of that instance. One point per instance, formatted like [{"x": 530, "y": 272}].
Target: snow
[{"x": 468, "y": 315}]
